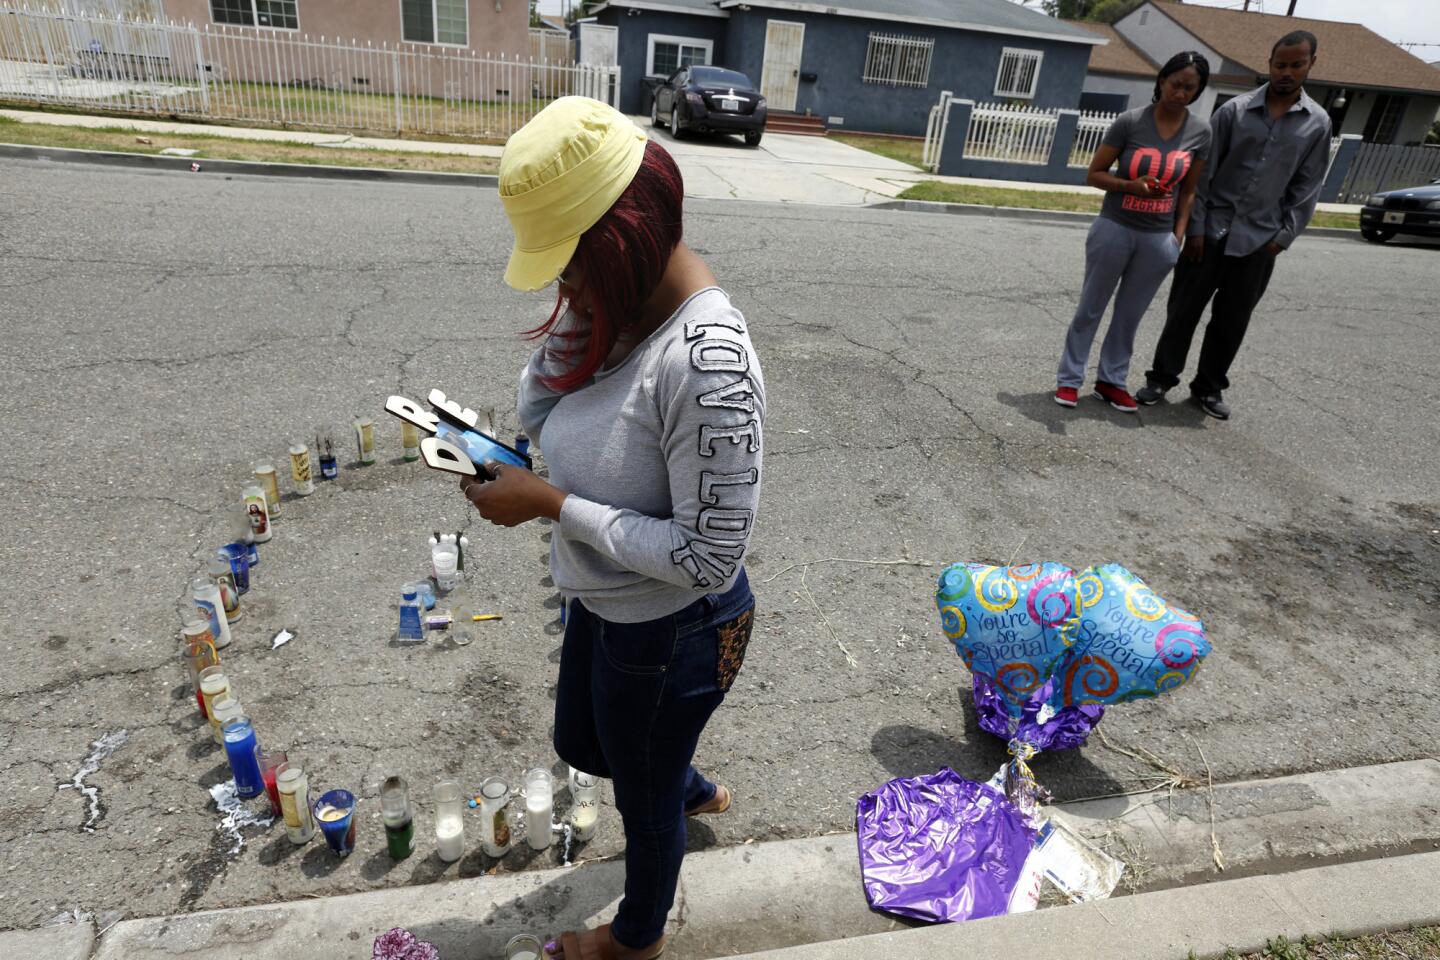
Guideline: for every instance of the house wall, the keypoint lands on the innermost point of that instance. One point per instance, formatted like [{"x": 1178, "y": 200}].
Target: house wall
[
  {"x": 1138, "y": 89},
  {"x": 1160, "y": 38},
  {"x": 964, "y": 62},
  {"x": 1141, "y": 91},
  {"x": 634, "y": 47},
  {"x": 494, "y": 34}
]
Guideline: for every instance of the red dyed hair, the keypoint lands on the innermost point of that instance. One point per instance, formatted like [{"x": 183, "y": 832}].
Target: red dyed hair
[{"x": 620, "y": 260}]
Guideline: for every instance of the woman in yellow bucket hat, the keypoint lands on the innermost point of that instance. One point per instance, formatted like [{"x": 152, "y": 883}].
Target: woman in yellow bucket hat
[{"x": 647, "y": 401}]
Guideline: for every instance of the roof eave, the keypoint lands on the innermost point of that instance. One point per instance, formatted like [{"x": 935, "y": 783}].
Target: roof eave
[
  {"x": 801, "y": 7},
  {"x": 659, "y": 6}
]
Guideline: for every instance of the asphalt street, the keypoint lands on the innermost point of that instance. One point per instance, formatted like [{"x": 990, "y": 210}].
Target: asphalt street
[{"x": 161, "y": 330}]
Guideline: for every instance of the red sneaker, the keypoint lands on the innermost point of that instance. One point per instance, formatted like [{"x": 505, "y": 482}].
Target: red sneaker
[
  {"x": 1067, "y": 396},
  {"x": 1116, "y": 396}
]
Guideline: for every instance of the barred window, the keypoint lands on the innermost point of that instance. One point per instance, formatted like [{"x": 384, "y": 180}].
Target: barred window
[
  {"x": 1019, "y": 73},
  {"x": 279, "y": 14},
  {"x": 435, "y": 21},
  {"x": 898, "y": 61}
]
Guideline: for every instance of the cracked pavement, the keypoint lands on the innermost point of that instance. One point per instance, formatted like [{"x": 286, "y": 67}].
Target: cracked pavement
[{"x": 163, "y": 330}]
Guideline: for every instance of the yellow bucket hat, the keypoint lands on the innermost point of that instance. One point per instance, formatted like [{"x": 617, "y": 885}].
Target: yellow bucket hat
[{"x": 559, "y": 174}]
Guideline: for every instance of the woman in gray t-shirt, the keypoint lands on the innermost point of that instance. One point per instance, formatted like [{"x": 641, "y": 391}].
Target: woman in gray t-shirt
[{"x": 1160, "y": 151}]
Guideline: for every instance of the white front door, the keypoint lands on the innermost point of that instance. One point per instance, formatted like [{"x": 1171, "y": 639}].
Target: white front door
[
  {"x": 780, "y": 79},
  {"x": 599, "y": 44}
]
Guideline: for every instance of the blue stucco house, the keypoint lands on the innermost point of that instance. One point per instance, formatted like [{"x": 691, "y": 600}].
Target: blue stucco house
[{"x": 868, "y": 65}]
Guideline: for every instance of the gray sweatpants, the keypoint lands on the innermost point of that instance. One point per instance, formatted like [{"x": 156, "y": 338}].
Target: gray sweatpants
[{"x": 1138, "y": 261}]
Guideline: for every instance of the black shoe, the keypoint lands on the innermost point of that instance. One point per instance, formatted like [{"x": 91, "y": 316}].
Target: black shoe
[
  {"x": 1212, "y": 405},
  {"x": 1150, "y": 394}
]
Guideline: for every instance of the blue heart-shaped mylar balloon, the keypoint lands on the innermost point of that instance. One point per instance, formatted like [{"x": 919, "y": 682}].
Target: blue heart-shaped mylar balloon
[{"x": 1102, "y": 636}]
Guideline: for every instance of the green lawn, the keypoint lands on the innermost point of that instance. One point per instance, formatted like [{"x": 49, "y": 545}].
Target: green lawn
[
  {"x": 934, "y": 190},
  {"x": 896, "y": 148},
  {"x": 224, "y": 148}
]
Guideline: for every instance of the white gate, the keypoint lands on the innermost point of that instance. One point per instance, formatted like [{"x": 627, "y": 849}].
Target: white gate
[
  {"x": 780, "y": 78},
  {"x": 599, "y": 45}
]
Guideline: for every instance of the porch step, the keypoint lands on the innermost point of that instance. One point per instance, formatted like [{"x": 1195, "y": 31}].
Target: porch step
[{"x": 795, "y": 124}]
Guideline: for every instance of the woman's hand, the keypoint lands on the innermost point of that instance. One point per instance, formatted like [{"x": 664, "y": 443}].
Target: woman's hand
[
  {"x": 1148, "y": 187},
  {"x": 514, "y": 496}
]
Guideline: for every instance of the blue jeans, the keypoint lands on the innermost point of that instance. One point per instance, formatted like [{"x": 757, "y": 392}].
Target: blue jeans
[{"x": 630, "y": 705}]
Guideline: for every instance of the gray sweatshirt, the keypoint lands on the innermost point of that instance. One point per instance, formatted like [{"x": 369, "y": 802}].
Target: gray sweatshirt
[{"x": 660, "y": 456}]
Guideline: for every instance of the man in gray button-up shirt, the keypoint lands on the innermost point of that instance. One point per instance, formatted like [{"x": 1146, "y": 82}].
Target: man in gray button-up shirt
[{"x": 1268, "y": 159}]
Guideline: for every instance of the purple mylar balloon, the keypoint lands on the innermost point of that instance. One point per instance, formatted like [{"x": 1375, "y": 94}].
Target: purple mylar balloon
[
  {"x": 942, "y": 848},
  {"x": 1069, "y": 728}
]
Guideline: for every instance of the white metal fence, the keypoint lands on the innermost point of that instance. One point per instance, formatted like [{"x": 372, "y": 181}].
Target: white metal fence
[
  {"x": 1088, "y": 134},
  {"x": 279, "y": 77},
  {"x": 1012, "y": 133}
]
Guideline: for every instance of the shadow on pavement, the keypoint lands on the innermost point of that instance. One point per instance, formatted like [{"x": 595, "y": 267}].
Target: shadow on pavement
[
  {"x": 570, "y": 902},
  {"x": 1041, "y": 408}
]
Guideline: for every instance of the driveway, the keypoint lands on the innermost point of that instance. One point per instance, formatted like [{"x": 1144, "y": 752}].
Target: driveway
[{"x": 784, "y": 168}]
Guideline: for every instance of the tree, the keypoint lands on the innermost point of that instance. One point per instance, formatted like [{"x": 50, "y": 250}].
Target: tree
[
  {"x": 1108, "y": 11},
  {"x": 535, "y": 20},
  {"x": 1434, "y": 135},
  {"x": 1100, "y": 11}
]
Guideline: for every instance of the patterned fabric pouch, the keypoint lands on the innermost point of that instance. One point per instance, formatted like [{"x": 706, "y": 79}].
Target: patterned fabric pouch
[{"x": 734, "y": 638}]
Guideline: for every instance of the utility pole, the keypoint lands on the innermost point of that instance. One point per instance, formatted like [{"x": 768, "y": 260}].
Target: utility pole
[
  {"x": 1291, "y": 11},
  {"x": 1247, "y": 7}
]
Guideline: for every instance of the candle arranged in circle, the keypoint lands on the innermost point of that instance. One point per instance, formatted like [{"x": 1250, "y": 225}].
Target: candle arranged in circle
[
  {"x": 253, "y": 498},
  {"x": 301, "y": 476},
  {"x": 539, "y": 808},
  {"x": 269, "y": 482},
  {"x": 243, "y": 750},
  {"x": 335, "y": 815},
  {"x": 294, "y": 789},
  {"x": 399, "y": 819},
  {"x": 365, "y": 440},
  {"x": 449, "y": 823},
  {"x": 272, "y": 764}
]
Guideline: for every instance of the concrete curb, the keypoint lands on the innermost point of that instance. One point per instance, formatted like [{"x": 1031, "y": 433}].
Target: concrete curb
[
  {"x": 785, "y": 894},
  {"x": 1054, "y": 216},
  {"x": 1349, "y": 900},
  {"x": 150, "y": 161},
  {"x": 66, "y": 941}
]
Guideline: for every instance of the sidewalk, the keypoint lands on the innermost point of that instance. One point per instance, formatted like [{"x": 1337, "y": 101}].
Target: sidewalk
[
  {"x": 788, "y": 894},
  {"x": 785, "y": 169}
]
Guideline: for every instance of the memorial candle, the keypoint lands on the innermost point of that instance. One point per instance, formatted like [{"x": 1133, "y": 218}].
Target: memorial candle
[{"x": 539, "y": 808}]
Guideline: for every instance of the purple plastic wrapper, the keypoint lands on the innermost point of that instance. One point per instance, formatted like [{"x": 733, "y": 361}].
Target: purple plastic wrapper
[
  {"x": 939, "y": 847},
  {"x": 1069, "y": 727}
]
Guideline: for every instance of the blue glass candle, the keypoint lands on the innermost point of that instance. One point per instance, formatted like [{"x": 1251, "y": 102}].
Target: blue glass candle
[
  {"x": 335, "y": 815},
  {"x": 238, "y": 554},
  {"x": 243, "y": 749}
]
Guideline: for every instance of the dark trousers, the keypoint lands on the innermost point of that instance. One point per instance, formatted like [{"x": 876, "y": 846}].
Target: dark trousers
[
  {"x": 630, "y": 705},
  {"x": 1237, "y": 284}
]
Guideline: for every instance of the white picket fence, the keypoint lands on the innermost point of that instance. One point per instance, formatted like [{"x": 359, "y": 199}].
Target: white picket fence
[
  {"x": 279, "y": 77},
  {"x": 1012, "y": 133}
]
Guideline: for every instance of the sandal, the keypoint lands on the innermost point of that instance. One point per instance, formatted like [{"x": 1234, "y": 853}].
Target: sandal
[
  {"x": 716, "y": 804},
  {"x": 600, "y": 946}
]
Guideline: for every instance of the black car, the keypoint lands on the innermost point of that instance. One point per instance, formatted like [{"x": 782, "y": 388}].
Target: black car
[
  {"x": 1414, "y": 210},
  {"x": 706, "y": 99}
]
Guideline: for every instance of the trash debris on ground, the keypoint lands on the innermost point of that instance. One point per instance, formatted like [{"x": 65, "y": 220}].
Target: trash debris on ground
[
  {"x": 100, "y": 750},
  {"x": 238, "y": 814},
  {"x": 145, "y": 140},
  {"x": 281, "y": 638},
  {"x": 176, "y": 151}
]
